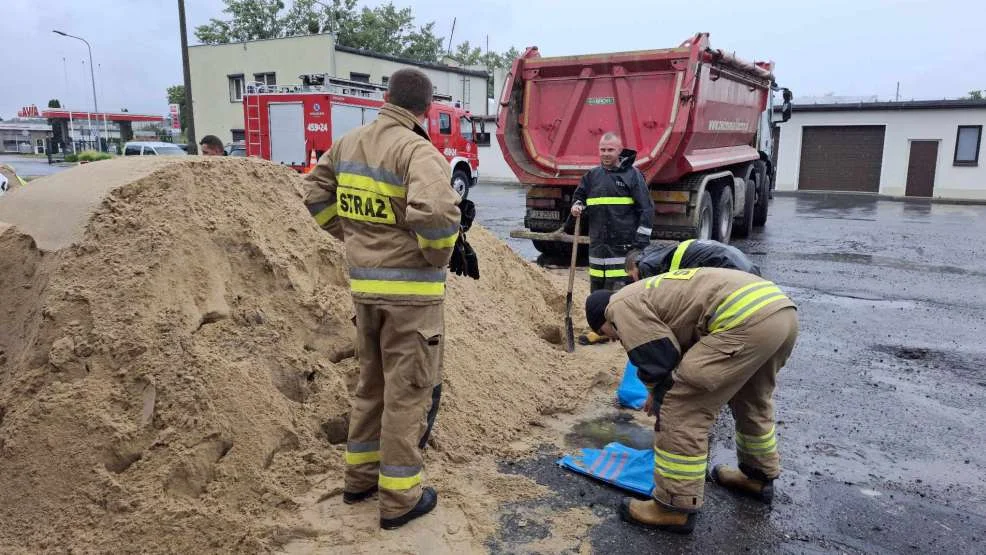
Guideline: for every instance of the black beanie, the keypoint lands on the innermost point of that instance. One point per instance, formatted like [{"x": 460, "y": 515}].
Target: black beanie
[{"x": 595, "y": 308}]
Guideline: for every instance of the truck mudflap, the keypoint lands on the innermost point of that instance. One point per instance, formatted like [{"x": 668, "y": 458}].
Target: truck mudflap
[{"x": 556, "y": 237}]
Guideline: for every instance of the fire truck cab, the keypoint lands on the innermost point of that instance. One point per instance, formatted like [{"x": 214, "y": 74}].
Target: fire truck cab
[{"x": 295, "y": 124}]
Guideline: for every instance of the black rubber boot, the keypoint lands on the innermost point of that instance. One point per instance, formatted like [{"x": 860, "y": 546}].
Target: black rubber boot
[
  {"x": 350, "y": 497},
  {"x": 428, "y": 501}
]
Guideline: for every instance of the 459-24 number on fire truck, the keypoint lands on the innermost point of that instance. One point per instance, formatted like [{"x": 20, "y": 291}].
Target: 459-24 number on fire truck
[{"x": 316, "y": 127}]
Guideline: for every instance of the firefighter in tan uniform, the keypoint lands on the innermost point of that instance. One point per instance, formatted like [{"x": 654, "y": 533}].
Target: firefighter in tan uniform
[
  {"x": 701, "y": 338},
  {"x": 384, "y": 190}
]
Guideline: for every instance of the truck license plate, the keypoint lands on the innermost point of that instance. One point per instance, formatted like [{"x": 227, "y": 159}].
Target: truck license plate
[{"x": 544, "y": 214}]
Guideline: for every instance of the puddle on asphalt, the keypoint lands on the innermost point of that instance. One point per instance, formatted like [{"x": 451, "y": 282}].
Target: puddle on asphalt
[
  {"x": 882, "y": 261},
  {"x": 849, "y": 298},
  {"x": 618, "y": 427}
]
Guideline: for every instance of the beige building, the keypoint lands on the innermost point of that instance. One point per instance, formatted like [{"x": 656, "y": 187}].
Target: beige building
[
  {"x": 929, "y": 149},
  {"x": 220, "y": 75}
]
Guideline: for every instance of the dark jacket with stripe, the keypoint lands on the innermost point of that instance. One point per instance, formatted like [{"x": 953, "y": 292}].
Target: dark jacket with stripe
[
  {"x": 619, "y": 208},
  {"x": 657, "y": 259}
]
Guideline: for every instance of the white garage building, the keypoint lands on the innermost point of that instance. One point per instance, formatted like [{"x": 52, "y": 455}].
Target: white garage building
[{"x": 914, "y": 149}]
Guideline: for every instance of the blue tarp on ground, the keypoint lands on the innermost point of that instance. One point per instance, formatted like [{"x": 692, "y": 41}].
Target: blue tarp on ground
[
  {"x": 631, "y": 393},
  {"x": 616, "y": 464}
]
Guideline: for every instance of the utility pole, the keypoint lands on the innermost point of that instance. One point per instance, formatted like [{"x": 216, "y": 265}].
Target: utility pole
[
  {"x": 898, "y": 92},
  {"x": 190, "y": 133}
]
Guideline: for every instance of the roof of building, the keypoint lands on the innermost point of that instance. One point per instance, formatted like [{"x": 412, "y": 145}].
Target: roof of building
[
  {"x": 411, "y": 62},
  {"x": 25, "y": 126},
  {"x": 111, "y": 116},
  {"x": 889, "y": 106}
]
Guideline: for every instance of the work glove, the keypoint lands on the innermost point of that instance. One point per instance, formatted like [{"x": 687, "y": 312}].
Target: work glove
[
  {"x": 464, "y": 260},
  {"x": 468, "y": 210}
]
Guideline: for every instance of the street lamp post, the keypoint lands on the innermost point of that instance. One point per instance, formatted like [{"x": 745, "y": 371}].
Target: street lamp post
[{"x": 92, "y": 75}]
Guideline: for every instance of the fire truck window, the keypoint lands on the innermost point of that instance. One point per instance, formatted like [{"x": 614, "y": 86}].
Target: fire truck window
[
  {"x": 369, "y": 114},
  {"x": 444, "y": 123},
  {"x": 345, "y": 119},
  {"x": 465, "y": 125}
]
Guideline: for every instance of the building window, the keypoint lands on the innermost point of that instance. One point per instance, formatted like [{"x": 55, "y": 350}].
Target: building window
[
  {"x": 967, "y": 143},
  {"x": 444, "y": 123},
  {"x": 268, "y": 79},
  {"x": 482, "y": 135},
  {"x": 238, "y": 135},
  {"x": 385, "y": 80},
  {"x": 359, "y": 77},
  {"x": 235, "y": 87}
]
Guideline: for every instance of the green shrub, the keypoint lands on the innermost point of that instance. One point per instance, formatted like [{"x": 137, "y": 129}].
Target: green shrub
[
  {"x": 71, "y": 158},
  {"x": 93, "y": 156}
]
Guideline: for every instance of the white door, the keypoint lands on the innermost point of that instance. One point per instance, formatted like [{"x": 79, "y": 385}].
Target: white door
[{"x": 287, "y": 133}]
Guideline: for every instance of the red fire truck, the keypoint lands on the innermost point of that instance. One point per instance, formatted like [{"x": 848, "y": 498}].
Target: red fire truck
[{"x": 295, "y": 124}]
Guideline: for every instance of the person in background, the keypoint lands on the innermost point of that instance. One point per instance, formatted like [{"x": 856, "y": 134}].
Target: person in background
[
  {"x": 211, "y": 146},
  {"x": 615, "y": 198}
]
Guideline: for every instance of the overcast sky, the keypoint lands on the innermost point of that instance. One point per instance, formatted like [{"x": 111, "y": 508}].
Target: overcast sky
[{"x": 934, "y": 48}]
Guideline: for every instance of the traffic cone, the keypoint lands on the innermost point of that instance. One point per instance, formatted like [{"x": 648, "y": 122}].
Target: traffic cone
[{"x": 312, "y": 162}]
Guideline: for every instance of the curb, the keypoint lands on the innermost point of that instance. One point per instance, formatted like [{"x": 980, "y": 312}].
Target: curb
[{"x": 877, "y": 196}]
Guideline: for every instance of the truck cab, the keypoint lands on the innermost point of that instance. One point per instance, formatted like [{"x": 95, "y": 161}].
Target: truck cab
[{"x": 453, "y": 133}]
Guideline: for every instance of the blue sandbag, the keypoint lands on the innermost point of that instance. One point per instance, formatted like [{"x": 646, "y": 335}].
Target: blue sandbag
[
  {"x": 616, "y": 464},
  {"x": 631, "y": 393}
]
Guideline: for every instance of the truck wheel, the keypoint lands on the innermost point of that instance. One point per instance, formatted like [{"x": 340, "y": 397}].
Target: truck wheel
[
  {"x": 763, "y": 195},
  {"x": 460, "y": 183},
  {"x": 703, "y": 219},
  {"x": 743, "y": 225},
  {"x": 723, "y": 227}
]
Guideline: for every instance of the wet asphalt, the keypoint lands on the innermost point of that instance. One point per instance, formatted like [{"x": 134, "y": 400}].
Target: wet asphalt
[{"x": 881, "y": 417}]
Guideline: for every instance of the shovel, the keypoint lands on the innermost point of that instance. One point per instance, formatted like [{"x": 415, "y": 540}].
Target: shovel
[{"x": 569, "y": 327}]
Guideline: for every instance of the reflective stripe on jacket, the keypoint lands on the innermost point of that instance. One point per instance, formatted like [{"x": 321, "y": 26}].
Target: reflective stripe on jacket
[{"x": 384, "y": 189}]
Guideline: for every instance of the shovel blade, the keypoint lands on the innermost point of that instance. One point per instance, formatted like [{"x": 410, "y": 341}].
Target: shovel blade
[{"x": 569, "y": 335}]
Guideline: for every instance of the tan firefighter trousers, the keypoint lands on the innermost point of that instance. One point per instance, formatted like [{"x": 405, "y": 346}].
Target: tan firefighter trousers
[
  {"x": 396, "y": 400},
  {"x": 738, "y": 366}
]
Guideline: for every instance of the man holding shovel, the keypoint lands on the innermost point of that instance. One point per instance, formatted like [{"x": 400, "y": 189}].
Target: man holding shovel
[{"x": 616, "y": 201}]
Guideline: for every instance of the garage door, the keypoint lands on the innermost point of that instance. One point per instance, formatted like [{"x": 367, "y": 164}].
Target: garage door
[{"x": 841, "y": 158}]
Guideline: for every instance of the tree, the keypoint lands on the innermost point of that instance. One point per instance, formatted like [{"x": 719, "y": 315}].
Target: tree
[
  {"x": 54, "y": 103},
  {"x": 176, "y": 95},
  {"x": 384, "y": 29},
  {"x": 975, "y": 95},
  {"x": 468, "y": 55},
  {"x": 251, "y": 20}
]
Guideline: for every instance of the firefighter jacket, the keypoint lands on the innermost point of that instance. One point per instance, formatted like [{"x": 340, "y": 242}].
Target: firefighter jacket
[
  {"x": 384, "y": 190},
  {"x": 658, "y": 259},
  {"x": 620, "y": 215},
  {"x": 661, "y": 317}
]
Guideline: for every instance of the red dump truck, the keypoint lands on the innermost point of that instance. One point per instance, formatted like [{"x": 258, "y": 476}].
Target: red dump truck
[{"x": 699, "y": 119}]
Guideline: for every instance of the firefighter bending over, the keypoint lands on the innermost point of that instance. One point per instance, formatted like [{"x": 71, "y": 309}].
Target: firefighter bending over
[{"x": 701, "y": 338}]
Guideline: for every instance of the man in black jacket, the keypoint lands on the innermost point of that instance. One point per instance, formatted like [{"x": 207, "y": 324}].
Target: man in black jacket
[
  {"x": 658, "y": 259},
  {"x": 616, "y": 200}
]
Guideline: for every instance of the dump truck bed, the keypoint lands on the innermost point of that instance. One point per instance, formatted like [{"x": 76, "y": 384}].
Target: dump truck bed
[{"x": 684, "y": 110}]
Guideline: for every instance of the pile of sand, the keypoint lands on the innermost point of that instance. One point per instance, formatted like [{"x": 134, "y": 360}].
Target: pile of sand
[{"x": 176, "y": 358}]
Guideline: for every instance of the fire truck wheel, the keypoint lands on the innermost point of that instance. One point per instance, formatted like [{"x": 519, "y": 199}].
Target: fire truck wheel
[{"x": 460, "y": 183}]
